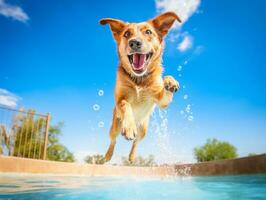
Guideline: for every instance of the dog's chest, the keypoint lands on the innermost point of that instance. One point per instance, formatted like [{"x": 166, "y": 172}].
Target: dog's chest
[{"x": 142, "y": 103}]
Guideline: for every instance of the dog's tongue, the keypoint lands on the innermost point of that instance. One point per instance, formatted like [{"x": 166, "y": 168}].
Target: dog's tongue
[{"x": 138, "y": 61}]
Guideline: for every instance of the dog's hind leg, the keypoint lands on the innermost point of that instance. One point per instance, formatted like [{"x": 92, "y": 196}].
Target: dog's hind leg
[
  {"x": 142, "y": 130},
  {"x": 114, "y": 131}
]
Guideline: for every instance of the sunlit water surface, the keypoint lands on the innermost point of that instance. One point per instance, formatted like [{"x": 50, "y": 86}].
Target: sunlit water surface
[{"x": 52, "y": 187}]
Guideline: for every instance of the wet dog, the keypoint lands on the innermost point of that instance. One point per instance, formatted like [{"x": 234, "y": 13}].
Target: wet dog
[{"x": 139, "y": 85}]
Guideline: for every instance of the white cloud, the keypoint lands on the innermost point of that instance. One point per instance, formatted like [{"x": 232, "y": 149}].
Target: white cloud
[
  {"x": 13, "y": 11},
  {"x": 8, "y": 99},
  {"x": 186, "y": 43},
  {"x": 183, "y": 8}
]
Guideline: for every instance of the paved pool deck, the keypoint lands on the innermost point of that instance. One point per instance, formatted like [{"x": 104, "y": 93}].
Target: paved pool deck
[{"x": 246, "y": 165}]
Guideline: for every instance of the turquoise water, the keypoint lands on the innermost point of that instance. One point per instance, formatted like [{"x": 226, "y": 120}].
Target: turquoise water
[{"x": 51, "y": 187}]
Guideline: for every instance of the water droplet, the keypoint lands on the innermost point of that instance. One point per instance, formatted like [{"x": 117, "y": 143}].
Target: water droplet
[
  {"x": 96, "y": 107},
  {"x": 179, "y": 68},
  {"x": 184, "y": 86},
  {"x": 100, "y": 92},
  {"x": 185, "y": 62},
  {"x": 101, "y": 124},
  {"x": 182, "y": 112},
  {"x": 190, "y": 118},
  {"x": 179, "y": 75},
  {"x": 188, "y": 108},
  {"x": 185, "y": 96}
]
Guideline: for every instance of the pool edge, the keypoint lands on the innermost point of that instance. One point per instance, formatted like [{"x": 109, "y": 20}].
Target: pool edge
[{"x": 246, "y": 165}]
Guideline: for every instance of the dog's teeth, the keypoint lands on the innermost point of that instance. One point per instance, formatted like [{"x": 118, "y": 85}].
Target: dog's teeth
[{"x": 134, "y": 58}]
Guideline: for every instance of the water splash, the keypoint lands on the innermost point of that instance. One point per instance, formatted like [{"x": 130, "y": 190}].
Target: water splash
[
  {"x": 188, "y": 108},
  {"x": 166, "y": 155},
  {"x": 185, "y": 97},
  {"x": 183, "y": 170},
  {"x": 159, "y": 127},
  {"x": 190, "y": 118}
]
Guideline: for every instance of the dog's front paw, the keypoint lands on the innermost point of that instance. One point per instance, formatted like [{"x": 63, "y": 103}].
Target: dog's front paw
[
  {"x": 170, "y": 84},
  {"x": 129, "y": 130}
]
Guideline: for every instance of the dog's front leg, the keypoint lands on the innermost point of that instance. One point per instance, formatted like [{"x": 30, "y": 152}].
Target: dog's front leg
[
  {"x": 170, "y": 85},
  {"x": 128, "y": 125},
  {"x": 142, "y": 130}
]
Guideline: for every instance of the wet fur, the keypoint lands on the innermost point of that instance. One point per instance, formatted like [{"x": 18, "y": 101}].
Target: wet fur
[{"x": 136, "y": 96}]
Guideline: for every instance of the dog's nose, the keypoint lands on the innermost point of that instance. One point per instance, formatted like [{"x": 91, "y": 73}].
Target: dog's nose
[{"x": 135, "y": 44}]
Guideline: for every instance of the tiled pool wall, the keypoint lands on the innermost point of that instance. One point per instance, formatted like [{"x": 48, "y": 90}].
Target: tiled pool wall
[{"x": 246, "y": 165}]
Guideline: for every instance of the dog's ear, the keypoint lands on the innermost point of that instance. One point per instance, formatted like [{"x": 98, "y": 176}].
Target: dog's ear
[
  {"x": 163, "y": 22},
  {"x": 117, "y": 26}
]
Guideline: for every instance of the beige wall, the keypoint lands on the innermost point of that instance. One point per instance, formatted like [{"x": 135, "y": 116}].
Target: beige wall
[
  {"x": 247, "y": 165},
  {"x": 25, "y": 165}
]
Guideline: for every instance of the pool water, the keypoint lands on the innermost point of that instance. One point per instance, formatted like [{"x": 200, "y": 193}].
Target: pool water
[{"x": 52, "y": 187}]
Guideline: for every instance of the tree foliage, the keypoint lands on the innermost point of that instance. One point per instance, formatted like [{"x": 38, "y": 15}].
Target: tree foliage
[
  {"x": 55, "y": 150},
  {"x": 252, "y": 154},
  {"x": 4, "y": 139},
  {"x": 139, "y": 161},
  {"x": 95, "y": 159},
  {"x": 215, "y": 150}
]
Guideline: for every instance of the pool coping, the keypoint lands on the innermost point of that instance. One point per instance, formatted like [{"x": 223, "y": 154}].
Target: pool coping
[{"x": 245, "y": 165}]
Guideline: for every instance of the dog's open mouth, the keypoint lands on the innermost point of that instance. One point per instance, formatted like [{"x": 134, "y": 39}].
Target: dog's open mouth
[{"x": 139, "y": 61}]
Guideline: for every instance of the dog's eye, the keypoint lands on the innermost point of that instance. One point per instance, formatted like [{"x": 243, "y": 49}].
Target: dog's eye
[
  {"x": 127, "y": 34},
  {"x": 148, "y": 32}
]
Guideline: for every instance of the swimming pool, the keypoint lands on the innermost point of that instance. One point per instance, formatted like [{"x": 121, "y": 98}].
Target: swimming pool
[{"x": 69, "y": 187}]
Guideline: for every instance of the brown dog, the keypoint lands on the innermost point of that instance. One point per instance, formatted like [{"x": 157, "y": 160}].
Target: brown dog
[{"x": 139, "y": 84}]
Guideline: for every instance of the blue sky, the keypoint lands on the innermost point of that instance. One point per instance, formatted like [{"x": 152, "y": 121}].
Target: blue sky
[{"x": 55, "y": 57}]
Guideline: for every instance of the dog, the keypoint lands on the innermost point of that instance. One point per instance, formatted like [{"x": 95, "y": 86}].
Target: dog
[{"x": 139, "y": 84}]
